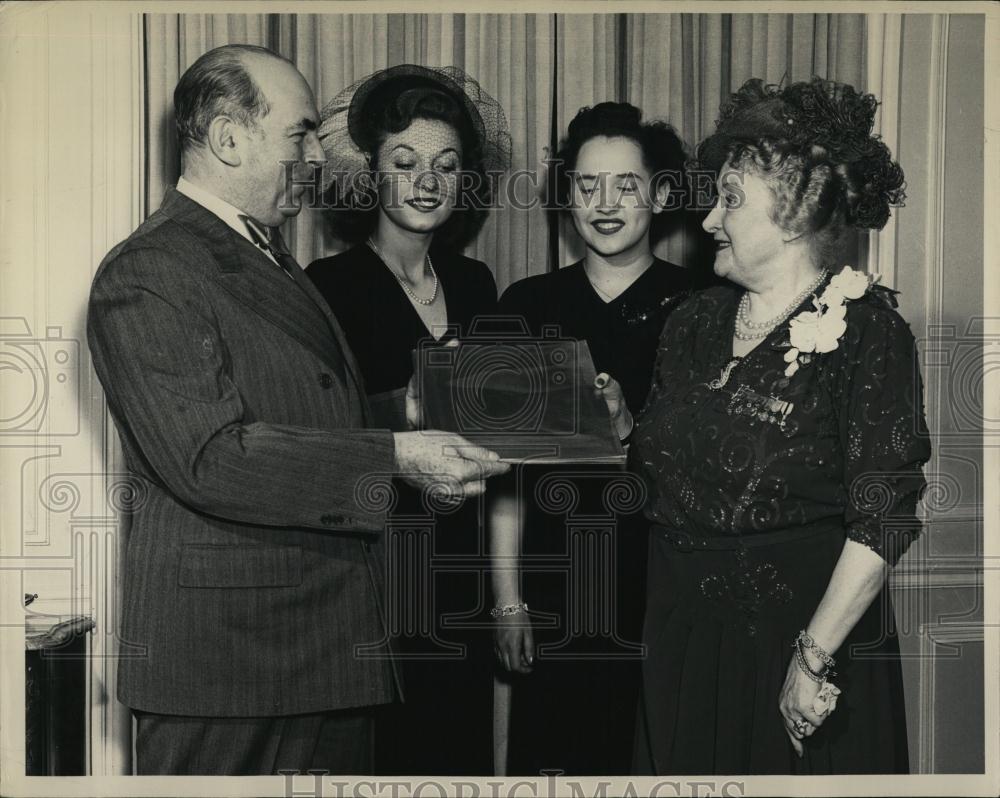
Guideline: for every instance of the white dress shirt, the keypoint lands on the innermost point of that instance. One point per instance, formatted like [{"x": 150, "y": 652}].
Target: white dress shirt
[{"x": 229, "y": 214}]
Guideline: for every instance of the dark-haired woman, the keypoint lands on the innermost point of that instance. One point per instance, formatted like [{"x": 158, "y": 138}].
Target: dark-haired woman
[
  {"x": 568, "y": 577},
  {"x": 782, "y": 447},
  {"x": 411, "y": 150}
]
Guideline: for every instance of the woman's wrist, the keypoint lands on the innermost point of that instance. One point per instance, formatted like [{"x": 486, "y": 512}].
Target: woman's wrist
[
  {"x": 506, "y": 610},
  {"x": 507, "y": 593},
  {"x": 505, "y": 598},
  {"x": 818, "y": 647},
  {"x": 816, "y": 665},
  {"x": 813, "y": 660}
]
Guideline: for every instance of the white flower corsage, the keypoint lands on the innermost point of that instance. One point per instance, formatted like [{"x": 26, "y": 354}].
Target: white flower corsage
[
  {"x": 826, "y": 699},
  {"x": 818, "y": 331}
]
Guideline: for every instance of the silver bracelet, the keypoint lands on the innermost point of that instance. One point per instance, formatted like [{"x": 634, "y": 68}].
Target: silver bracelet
[
  {"x": 806, "y": 641},
  {"x": 503, "y": 610},
  {"x": 800, "y": 659}
]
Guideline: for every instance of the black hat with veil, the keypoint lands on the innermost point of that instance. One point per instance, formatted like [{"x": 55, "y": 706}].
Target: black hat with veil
[{"x": 354, "y": 123}]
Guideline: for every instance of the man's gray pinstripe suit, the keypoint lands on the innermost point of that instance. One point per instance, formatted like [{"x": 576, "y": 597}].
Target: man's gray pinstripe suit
[{"x": 253, "y": 566}]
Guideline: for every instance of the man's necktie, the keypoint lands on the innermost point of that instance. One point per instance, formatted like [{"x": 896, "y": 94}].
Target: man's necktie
[{"x": 269, "y": 239}]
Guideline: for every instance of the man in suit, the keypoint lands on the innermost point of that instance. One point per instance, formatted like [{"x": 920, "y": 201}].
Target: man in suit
[{"x": 252, "y": 634}]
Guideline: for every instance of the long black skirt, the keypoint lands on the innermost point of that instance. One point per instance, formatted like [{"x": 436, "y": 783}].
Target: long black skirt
[
  {"x": 719, "y": 628},
  {"x": 576, "y": 711},
  {"x": 443, "y": 639}
]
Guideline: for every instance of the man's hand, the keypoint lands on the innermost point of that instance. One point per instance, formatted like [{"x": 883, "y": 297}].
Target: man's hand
[{"x": 446, "y": 463}]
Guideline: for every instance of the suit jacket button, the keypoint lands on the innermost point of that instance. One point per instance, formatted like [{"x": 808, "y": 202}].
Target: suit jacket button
[{"x": 325, "y": 380}]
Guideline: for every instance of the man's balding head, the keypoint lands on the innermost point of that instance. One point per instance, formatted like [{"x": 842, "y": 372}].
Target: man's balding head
[
  {"x": 222, "y": 82},
  {"x": 249, "y": 126}
]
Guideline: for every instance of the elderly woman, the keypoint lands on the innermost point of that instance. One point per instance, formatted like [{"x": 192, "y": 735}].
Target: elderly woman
[{"x": 782, "y": 446}]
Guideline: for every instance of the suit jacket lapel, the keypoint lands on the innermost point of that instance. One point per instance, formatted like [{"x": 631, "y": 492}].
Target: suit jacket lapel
[{"x": 250, "y": 276}]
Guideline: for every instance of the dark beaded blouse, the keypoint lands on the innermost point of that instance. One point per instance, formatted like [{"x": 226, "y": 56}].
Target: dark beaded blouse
[{"x": 843, "y": 438}]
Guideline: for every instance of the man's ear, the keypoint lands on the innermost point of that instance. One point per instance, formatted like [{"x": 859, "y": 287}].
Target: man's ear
[
  {"x": 661, "y": 196},
  {"x": 225, "y": 140}
]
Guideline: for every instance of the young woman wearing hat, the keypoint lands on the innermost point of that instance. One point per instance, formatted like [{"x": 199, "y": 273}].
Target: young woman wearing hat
[{"x": 414, "y": 154}]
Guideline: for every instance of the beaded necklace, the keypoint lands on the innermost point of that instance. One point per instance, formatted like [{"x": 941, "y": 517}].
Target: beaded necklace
[
  {"x": 754, "y": 330},
  {"x": 419, "y": 300}
]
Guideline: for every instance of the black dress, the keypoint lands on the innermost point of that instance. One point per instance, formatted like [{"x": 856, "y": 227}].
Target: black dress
[
  {"x": 438, "y": 560},
  {"x": 750, "y": 516},
  {"x": 583, "y": 550}
]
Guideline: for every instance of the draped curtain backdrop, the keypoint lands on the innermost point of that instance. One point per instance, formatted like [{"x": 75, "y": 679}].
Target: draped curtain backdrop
[{"x": 542, "y": 68}]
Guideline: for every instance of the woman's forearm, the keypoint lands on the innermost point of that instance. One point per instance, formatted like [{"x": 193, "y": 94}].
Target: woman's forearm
[
  {"x": 503, "y": 522},
  {"x": 856, "y": 581}
]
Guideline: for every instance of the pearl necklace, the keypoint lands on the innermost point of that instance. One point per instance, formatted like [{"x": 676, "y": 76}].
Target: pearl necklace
[
  {"x": 402, "y": 282},
  {"x": 754, "y": 330}
]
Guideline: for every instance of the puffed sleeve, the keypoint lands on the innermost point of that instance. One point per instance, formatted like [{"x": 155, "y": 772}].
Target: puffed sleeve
[{"x": 882, "y": 429}]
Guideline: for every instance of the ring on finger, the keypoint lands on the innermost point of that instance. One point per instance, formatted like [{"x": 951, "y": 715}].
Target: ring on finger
[{"x": 800, "y": 725}]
